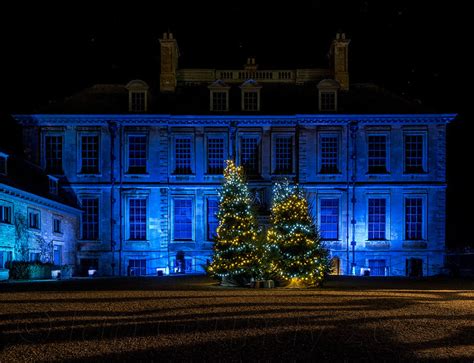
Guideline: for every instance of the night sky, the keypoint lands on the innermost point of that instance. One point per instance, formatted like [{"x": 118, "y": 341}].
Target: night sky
[{"x": 416, "y": 48}]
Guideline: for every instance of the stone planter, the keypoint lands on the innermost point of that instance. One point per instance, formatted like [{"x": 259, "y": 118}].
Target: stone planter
[{"x": 4, "y": 274}]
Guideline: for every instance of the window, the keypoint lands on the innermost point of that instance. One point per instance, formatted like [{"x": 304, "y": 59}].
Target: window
[
  {"x": 89, "y": 154},
  {"x": 183, "y": 219},
  {"x": 219, "y": 101},
  {"x": 57, "y": 225},
  {"x": 58, "y": 254},
  {"x": 54, "y": 154},
  {"x": 249, "y": 154},
  {"x": 3, "y": 163},
  {"x": 414, "y": 153},
  {"x": 182, "y": 149},
  {"x": 5, "y": 256},
  {"x": 215, "y": 155},
  {"x": 250, "y": 102},
  {"x": 329, "y": 150},
  {"x": 327, "y": 101},
  {"x": 377, "y": 218},
  {"x": 35, "y": 257},
  {"x": 212, "y": 221},
  {"x": 138, "y": 101},
  {"x": 137, "y": 267},
  {"x": 90, "y": 219},
  {"x": 329, "y": 219},
  {"x": 5, "y": 214},
  {"x": 413, "y": 218},
  {"x": 377, "y": 267},
  {"x": 137, "y": 219},
  {"x": 53, "y": 185},
  {"x": 137, "y": 154},
  {"x": 283, "y": 155},
  {"x": 33, "y": 219},
  {"x": 377, "y": 154}
]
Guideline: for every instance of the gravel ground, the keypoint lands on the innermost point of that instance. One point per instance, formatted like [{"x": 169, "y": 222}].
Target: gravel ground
[{"x": 189, "y": 318}]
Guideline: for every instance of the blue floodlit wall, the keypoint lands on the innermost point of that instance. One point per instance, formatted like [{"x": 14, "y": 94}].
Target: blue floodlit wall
[{"x": 161, "y": 187}]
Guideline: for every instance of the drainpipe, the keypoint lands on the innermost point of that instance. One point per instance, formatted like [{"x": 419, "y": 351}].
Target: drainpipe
[
  {"x": 232, "y": 141},
  {"x": 353, "y": 130},
  {"x": 113, "y": 131},
  {"x": 348, "y": 269},
  {"x": 297, "y": 153},
  {"x": 120, "y": 199}
]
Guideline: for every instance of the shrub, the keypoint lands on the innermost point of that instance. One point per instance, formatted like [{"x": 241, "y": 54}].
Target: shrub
[{"x": 24, "y": 270}]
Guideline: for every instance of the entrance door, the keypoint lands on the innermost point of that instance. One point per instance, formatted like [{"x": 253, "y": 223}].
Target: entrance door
[{"x": 414, "y": 267}]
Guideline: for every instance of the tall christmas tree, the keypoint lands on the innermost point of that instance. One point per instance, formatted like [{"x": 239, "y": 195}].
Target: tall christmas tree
[
  {"x": 236, "y": 256},
  {"x": 301, "y": 258}
]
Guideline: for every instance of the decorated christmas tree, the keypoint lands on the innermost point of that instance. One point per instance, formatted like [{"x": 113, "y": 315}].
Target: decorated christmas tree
[
  {"x": 236, "y": 253},
  {"x": 301, "y": 258}
]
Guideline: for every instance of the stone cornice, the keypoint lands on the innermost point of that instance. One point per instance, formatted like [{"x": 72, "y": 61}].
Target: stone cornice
[{"x": 227, "y": 120}]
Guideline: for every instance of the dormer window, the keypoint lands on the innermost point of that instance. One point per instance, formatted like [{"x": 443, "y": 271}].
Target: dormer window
[
  {"x": 328, "y": 89},
  {"x": 53, "y": 185},
  {"x": 250, "y": 95},
  {"x": 137, "y": 96},
  {"x": 3, "y": 163},
  {"x": 219, "y": 96}
]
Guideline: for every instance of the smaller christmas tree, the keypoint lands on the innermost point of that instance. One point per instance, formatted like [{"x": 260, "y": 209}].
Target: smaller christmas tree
[
  {"x": 302, "y": 260},
  {"x": 236, "y": 256}
]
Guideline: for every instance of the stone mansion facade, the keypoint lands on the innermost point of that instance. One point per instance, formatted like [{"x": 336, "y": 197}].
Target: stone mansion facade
[{"x": 145, "y": 161}]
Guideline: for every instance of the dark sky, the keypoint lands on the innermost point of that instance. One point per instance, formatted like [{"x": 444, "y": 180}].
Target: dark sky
[{"x": 418, "y": 48}]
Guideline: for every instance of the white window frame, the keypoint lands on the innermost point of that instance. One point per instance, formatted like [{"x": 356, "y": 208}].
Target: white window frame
[
  {"x": 216, "y": 135},
  {"x": 183, "y": 135},
  {"x": 211, "y": 101},
  {"x": 378, "y": 195},
  {"x": 127, "y": 136},
  {"x": 424, "y": 211},
  {"x": 137, "y": 195},
  {"x": 97, "y": 196},
  {"x": 329, "y": 133},
  {"x": 424, "y": 135},
  {"x": 80, "y": 134},
  {"x": 276, "y": 135},
  {"x": 387, "y": 150},
  {"x": 250, "y": 134},
  {"x": 193, "y": 218},
  {"x": 43, "y": 148},
  {"x": 337, "y": 196},
  {"x": 250, "y": 90}
]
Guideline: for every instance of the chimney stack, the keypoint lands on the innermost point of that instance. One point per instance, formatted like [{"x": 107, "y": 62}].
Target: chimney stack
[
  {"x": 169, "y": 62},
  {"x": 340, "y": 60}
]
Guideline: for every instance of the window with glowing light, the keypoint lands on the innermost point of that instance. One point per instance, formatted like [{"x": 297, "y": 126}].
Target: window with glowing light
[
  {"x": 90, "y": 218},
  {"x": 183, "y": 219},
  {"x": 137, "y": 217},
  {"x": 414, "y": 218},
  {"x": 329, "y": 218},
  {"x": 54, "y": 154},
  {"x": 377, "y": 218},
  {"x": 137, "y": 154}
]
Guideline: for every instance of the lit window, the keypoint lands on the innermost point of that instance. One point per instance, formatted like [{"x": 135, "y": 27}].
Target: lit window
[
  {"x": 5, "y": 214},
  {"x": 283, "y": 155},
  {"x": 137, "y": 267},
  {"x": 57, "y": 225},
  {"x": 328, "y": 101},
  {"x": 182, "y": 155},
  {"x": 137, "y": 101},
  {"x": 250, "y": 102},
  {"x": 329, "y": 150},
  {"x": 53, "y": 185},
  {"x": 414, "y": 218},
  {"x": 33, "y": 219},
  {"x": 414, "y": 153},
  {"x": 90, "y": 218},
  {"x": 137, "y": 219},
  {"x": 89, "y": 154},
  {"x": 183, "y": 219},
  {"x": 377, "y": 152},
  {"x": 249, "y": 154},
  {"x": 219, "y": 100},
  {"x": 215, "y": 155},
  {"x": 137, "y": 154},
  {"x": 329, "y": 219},
  {"x": 377, "y": 218},
  {"x": 58, "y": 254},
  {"x": 212, "y": 221},
  {"x": 3, "y": 163},
  {"x": 54, "y": 154}
]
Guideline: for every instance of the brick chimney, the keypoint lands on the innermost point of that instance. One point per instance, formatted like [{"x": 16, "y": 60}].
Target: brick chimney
[
  {"x": 169, "y": 62},
  {"x": 340, "y": 60}
]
